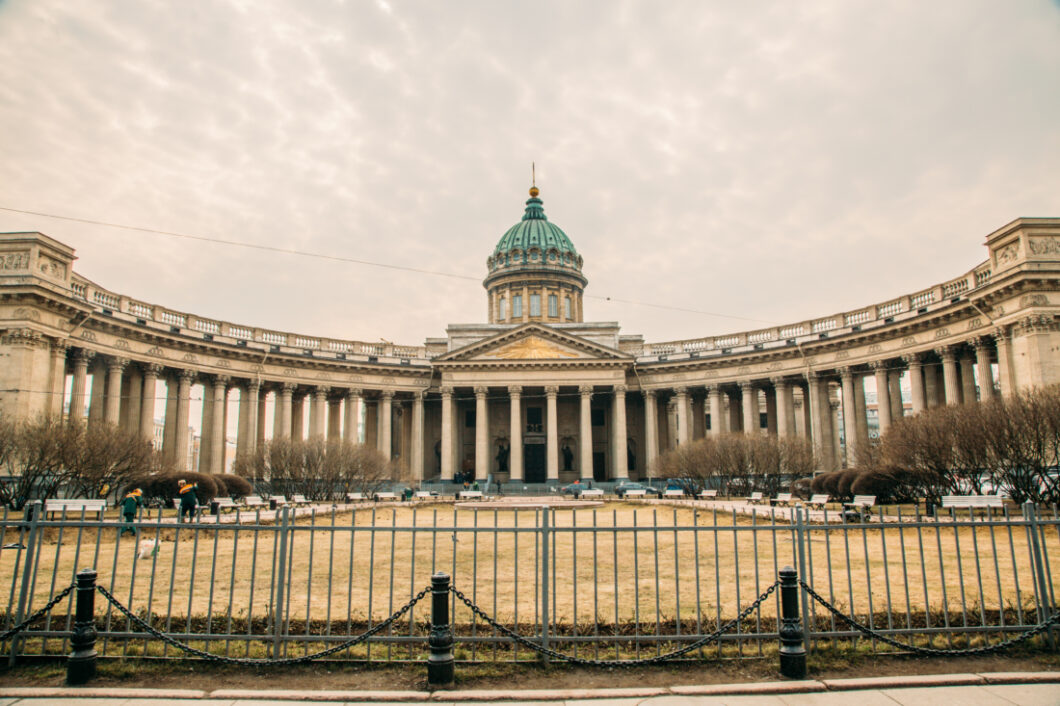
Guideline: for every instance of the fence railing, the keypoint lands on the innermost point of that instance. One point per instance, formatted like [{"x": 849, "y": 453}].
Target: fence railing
[{"x": 621, "y": 581}]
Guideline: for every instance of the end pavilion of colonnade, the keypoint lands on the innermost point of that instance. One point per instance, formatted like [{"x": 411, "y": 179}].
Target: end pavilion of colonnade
[{"x": 534, "y": 394}]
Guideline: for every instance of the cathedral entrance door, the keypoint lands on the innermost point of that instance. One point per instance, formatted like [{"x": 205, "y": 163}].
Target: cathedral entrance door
[{"x": 534, "y": 463}]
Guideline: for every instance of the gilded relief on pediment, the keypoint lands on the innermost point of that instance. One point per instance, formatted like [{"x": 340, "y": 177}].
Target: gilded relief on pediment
[{"x": 531, "y": 348}]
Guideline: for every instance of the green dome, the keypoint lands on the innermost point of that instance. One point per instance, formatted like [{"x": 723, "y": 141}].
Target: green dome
[{"x": 535, "y": 231}]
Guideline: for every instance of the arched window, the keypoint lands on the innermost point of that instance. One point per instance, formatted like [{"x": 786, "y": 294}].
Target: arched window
[{"x": 553, "y": 305}]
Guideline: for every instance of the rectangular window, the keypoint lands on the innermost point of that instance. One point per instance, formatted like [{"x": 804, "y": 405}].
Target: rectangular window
[
  {"x": 503, "y": 310},
  {"x": 533, "y": 420},
  {"x": 553, "y": 305},
  {"x": 566, "y": 308},
  {"x": 535, "y": 305},
  {"x": 517, "y": 305}
]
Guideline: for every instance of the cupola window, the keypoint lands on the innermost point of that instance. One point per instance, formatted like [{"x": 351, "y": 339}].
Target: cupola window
[
  {"x": 502, "y": 310},
  {"x": 553, "y": 305},
  {"x": 517, "y": 306},
  {"x": 567, "y": 308},
  {"x": 535, "y": 305}
]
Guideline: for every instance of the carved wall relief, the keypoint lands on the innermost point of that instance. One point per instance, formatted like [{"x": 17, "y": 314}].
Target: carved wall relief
[{"x": 18, "y": 260}]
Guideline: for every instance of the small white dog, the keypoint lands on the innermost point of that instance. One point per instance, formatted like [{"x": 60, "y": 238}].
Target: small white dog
[{"x": 148, "y": 548}]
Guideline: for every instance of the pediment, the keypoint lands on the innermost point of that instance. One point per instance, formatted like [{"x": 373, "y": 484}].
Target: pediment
[{"x": 532, "y": 343}]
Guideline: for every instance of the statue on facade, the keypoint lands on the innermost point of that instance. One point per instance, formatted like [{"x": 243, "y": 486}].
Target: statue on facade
[
  {"x": 502, "y": 457},
  {"x": 568, "y": 457}
]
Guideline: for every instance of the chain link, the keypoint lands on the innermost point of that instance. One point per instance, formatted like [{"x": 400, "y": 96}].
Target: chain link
[
  {"x": 246, "y": 660},
  {"x": 25, "y": 623},
  {"x": 531, "y": 645},
  {"x": 933, "y": 651}
]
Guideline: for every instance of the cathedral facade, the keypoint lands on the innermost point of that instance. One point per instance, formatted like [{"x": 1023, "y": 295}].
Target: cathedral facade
[{"x": 536, "y": 394}]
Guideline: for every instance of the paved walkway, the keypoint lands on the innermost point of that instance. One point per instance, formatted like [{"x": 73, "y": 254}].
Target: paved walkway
[{"x": 1001, "y": 689}]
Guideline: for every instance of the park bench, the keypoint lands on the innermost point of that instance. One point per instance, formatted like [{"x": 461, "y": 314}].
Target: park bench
[
  {"x": 423, "y": 494},
  {"x": 74, "y": 507},
  {"x": 853, "y": 510},
  {"x": 592, "y": 492},
  {"x": 299, "y": 499},
  {"x": 782, "y": 499},
  {"x": 276, "y": 501},
  {"x": 469, "y": 494},
  {"x": 708, "y": 494},
  {"x": 636, "y": 493},
  {"x": 818, "y": 500},
  {"x": 254, "y": 502},
  {"x": 219, "y": 504},
  {"x": 673, "y": 493},
  {"x": 973, "y": 502},
  {"x": 384, "y": 495},
  {"x": 355, "y": 497},
  {"x": 756, "y": 497}
]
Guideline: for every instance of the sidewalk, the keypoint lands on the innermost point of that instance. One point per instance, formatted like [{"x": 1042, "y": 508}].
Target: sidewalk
[{"x": 1001, "y": 688}]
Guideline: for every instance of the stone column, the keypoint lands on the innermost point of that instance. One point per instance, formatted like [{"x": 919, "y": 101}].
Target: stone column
[
  {"x": 482, "y": 432},
  {"x": 447, "y": 433},
  {"x": 218, "y": 436},
  {"x": 850, "y": 428},
  {"x": 242, "y": 425},
  {"x": 894, "y": 385},
  {"x": 861, "y": 409},
  {"x": 785, "y": 407},
  {"x": 169, "y": 431},
  {"x": 77, "y": 392},
  {"x": 949, "y": 372},
  {"x": 112, "y": 408},
  {"x": 318, "y": 411},
  {"x": 883, "y": 396},
  {"x": 931, "y": 386},
  {"x": 334, "y": 418},
  {"x": 263, "y": 402},
  {"x": 350, "y": 430},
  {"x": 750, "y": 407},
  {"x": 98, "y": 391},
  {"x": 417, "y": 468},
  {"x": 515, "y": 434},
  {"x": 250, "y": 398},
  {"x": 818, "y": 413},
  {"x": 297, "y": 416},
  {"x": 681, "y": 402},
  {"x": 284, "y": 412},
  {"x": 183, "y": 408},
  {"x": 967, "y": 365},
  {"x": 206, "y": 426},
  {"x": 735, "y": 423},
  {"x": 771, "y": 410},
  {"x": 982, "y": 362},
  {"x": 147, "y": 400},
  {"x": 717, "y": 414},
  {"x": 384, "y": 422},
  {"x": 916, "y": 382},
  {"x": 1004, "y": 361},
  {"x": 58, "y": 378},
  {"x": 132, "y": 388},
  {"x": 552, "y": 438},
  {"x": 651, "y": 431},
  {"x": 671, "y": 423},
  {"x": 618, "y": 429},
  {"x": 834, "y": 431},
  {"x": 699, "y": 416}
]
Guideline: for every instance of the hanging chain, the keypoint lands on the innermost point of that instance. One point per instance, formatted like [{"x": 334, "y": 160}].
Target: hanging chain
[
  {"x": 933, "y": 651},
  {"x": 40, "y": 613},
  {"x": 531, "y": 645}
]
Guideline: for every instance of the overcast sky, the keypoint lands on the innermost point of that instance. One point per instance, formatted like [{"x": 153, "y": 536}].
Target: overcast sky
[{"x": 775, "y": 161}]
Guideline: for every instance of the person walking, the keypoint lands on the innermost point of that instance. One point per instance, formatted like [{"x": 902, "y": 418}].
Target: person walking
[
  {"x": 188, "y": 500},
  {"x": 129, "y": 505}
]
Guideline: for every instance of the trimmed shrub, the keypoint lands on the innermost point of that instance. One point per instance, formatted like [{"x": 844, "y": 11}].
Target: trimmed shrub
[
  {"x": 232, "y": 485},
  {"x": 801, "y": 488},
  {"x": 162, "y": 487},
  {"x": 825, "y": 483},
  {"x": 845, "y": 481}
]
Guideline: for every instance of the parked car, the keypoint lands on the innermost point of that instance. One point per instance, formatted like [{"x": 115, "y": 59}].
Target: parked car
[
  {"x": 574, "y": 489},
  {"x": 622, "y": 488}
]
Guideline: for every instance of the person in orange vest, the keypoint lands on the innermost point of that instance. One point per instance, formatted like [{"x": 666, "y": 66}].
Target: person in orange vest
[{"x": 188, "y": 500}]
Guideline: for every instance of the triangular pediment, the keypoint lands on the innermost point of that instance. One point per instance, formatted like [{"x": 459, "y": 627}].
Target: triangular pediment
[{"x": 533, "y": 343}]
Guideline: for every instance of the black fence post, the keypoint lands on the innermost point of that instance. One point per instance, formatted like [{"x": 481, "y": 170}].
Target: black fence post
[
  {"x": 81, "y": 664},
  {"x": 792, "y": 646},
  {"x": 440, "y": 662}
]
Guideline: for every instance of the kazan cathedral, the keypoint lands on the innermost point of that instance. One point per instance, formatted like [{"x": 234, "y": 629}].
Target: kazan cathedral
[{"x": 535, "y": 394}]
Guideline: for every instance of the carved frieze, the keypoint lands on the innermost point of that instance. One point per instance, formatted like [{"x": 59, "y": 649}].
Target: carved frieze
[
  {"x": 942, "y": 333},
  {"x": 1034, "y": 300},
  {"x": 87, "y": 335},
  {"x": 50, "y": 267},
  {"x": 190, "y": 358},
  {"x": 909, "y": 341},
  {"x": 1043, "y": 246},
  {"x": 157, "y": 352},
  {"x": 876, "y": 348},
  {"x": 842, "y": 355},
  {"x": 23, "y": 337},
  {"x": 222, "y": 363},
  {"x": 1037, "y": 323},
  {"x": 23, "y": 312},
  {"x": 13, "y": 261},
  {"x": 121, "y": 344},
  {"x": 1007, "y": 254},
  {"x": 974, "y": 324},
  {"x": 289, "y": 372}
]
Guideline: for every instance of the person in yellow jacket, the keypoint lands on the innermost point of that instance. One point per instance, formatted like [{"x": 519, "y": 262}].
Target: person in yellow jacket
[
  {"x": 188, "y": 500},
  {"x": 129, "y": 505}
]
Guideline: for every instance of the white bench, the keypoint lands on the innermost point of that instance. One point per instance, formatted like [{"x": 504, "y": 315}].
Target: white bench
[
  {"x": 423, "y": 494},
  {"x": 592, "y": 492},
  {"x": 354, "y": 497},
  {"x": 636, "y": 492},
  {"x": 299, "y": 499},
  {"x": 818, "y": 500},
  {"x": 782, "y": 499},
  {"x": 756, "y": 497},
  {"x": 469, "y": 494},
  {"x": 708, "y": 494},
  {"x": 253, "y": 501},
  {"x": 673, "y": 493},
  {"x": 384, "y": 495},
  {"x": 73, "y": 507},
  {"x": 852, "y": 511},
  {"x": 973, "y": 501},
  {"x": 222, "y": 504},
  {"x": 278, "y": 500}
]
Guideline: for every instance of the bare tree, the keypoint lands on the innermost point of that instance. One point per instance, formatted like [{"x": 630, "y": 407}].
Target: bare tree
[{"x": 102, "y": 457}]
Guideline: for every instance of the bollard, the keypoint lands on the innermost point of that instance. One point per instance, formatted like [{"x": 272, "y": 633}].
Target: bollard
[
  {"x": 792, "y": 648},
  {"x": 440, "y": 662},
  {"x": 81, "y": 664}
]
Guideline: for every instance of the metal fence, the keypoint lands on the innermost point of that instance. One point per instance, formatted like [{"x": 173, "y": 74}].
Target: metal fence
[{"x": 624, "y": 580}]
